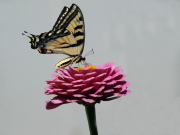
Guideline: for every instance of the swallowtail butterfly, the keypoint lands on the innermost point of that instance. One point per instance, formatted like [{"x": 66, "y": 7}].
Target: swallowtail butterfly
[{"x": 66, "y": 37}]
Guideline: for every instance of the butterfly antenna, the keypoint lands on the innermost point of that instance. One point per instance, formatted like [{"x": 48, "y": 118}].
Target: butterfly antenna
[
  {"x": 25, "y": 33},
  {"x": 89, "y": 53}
]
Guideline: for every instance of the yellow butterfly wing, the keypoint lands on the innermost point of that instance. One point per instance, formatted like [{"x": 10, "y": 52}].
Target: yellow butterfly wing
[{"x": 70, "y": 25}]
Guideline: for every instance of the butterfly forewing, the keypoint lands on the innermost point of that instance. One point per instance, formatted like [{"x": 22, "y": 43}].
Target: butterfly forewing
[
  {"x": 60, "y": 18},
  {"x": 70, "y": 25}
]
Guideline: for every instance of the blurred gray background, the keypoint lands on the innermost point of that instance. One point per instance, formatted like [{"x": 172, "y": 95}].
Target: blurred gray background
[{"x": 141, "y": 36}]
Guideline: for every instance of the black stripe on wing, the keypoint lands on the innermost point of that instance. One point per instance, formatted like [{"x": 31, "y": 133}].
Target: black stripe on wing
[
  {"x": 82, "y": 19},
  {"x": 78, "y": 34},
  {"x": 79, "y": 42},
  {"x": 63, "y": 14},
  {"x": 71, "y": 17},
  {"x": 63, "y": 43},
  {"x": 78, "y": 27}
]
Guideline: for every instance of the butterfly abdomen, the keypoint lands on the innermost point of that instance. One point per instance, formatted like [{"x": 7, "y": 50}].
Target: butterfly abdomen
[{"x": 73, "y": 59}]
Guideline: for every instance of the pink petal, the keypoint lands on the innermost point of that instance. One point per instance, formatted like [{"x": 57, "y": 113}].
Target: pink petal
[
  {"x": 73, "y": 71},
  {"x": 61, "y": 81},
  {"x": 60, "y": 85},
  {"x": 47, "y": 92},
  {"x": 108, "y": 99},
  {"x": 48, "y": 88},
  {"x": 117, "y": 68},
  {"x": 94, "y": 95},
  {"x": 55, "y": 76},
  {"x": 87, "y": 90},
  {"x": 100, "y": 77},
  {"x": 53, "y": 84},
  {"x": 80, "y": 86},
  {"x": 68, "y": 79},
  {"x": 85, "y": 71},
  {"x": 115, "y": 75},
  {"x": 121, "y": 76},
  {"x": 99, "y": 90},
  {"x": 63, "y": 72},
  {"x": 71, "y": 100},
  {"x": 117, "y": 94},
  {"x": 89, "y": 81},
  {"x": 118, "y": 90},
  {"x": 79, "y": 76},
  {"x": 109, "y": 64},
  {"x": 111, "y": 83},
  {"x": 97, "y": 84},
  {"x": 110, "y": 67},
  {"x": 48, "y": 101},
  {"x": 56, "y": 101},
  {"x": 107, "y": 79},
  {"x": 128, "y": 91},
  {"x": 99, "y": 70},
  {"x": 66, "y": 73},
  {"x": 72, "y": 91},
  {"x": 127, "y": 83},
  {"x": 125, "y": 92},
  {"x": 63, "y": 93},
  {"x": 78, "y": 95},
  {"x": 89, "y": 75},
  {"x": 109, "y": 91},
  {"x": 88, "y": 100},
  {"x": 51, "y": 105},
  {"x": 69, "y": 85},
  {"x": 124, "y": 87},
  {"x": 60, "y": 72},
  {"x": 58, "y": 90},
  {"x": 49, "y": 81},
  {"x": 121, "y": 82},
  {"x": 117, "y": 86},
  {"x": 77, "y": 82}
]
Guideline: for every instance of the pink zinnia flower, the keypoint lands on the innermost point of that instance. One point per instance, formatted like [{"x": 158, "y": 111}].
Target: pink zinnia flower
[{"x": 89, "y": 84}]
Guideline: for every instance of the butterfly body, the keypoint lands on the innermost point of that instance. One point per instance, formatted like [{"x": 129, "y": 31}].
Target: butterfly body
[{"x": 66, "y": 37}]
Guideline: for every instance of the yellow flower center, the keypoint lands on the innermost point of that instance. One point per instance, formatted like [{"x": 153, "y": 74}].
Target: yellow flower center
[{"x": 91, "y": 67}]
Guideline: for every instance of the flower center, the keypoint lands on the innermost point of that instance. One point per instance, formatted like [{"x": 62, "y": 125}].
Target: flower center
[{"x": 91, "y": 67}]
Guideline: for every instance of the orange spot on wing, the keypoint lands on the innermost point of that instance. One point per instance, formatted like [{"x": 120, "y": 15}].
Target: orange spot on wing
[{"x": 39, "y": 49}]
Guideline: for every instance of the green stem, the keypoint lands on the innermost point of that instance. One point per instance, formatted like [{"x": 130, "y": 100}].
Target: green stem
[{"x": 91, "y": 117}]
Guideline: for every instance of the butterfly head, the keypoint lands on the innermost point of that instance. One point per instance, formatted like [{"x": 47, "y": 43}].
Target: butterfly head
[
  {"x": 34, "y": 40},
  {"x": 82, "y": 59},
  {"x": 34, "y": 44}
]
